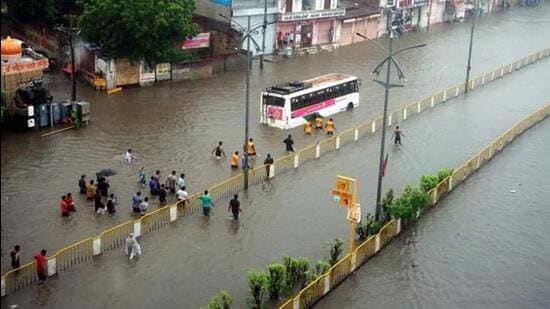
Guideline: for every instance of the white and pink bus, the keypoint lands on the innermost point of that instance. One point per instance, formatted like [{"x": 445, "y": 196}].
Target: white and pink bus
[{"x": 288, "y": 105}]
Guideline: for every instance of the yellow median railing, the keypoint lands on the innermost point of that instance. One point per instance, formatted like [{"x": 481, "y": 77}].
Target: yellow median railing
[
  {"x": 313, "y": 292},
  {"x": 113, "y": 238}
]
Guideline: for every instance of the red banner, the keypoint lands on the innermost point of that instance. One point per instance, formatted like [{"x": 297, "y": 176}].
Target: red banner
[{"x": 201, "y": 40}]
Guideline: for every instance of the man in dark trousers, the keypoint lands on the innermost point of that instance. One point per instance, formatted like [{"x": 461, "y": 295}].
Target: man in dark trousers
[
  {"x": 267, "y": 162},
  {"x": 397, "y": 133},
  {"x": 235, "y": 207},
  {"x": 289, "y": 143}
]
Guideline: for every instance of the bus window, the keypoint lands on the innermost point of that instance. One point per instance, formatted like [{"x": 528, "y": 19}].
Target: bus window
[{"x": 276, "y": 101}]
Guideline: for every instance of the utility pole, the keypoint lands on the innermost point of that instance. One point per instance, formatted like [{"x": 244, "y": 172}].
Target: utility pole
[
  {"x": 69, "y": 32},
  {"x": 263, "y": 36},
  {"x": 246, "y": 33},
  {"x": 73, "y": 68},
  {"x": 387, "y": 86},
  {"x": 247, "y": 103},
  {"x": 469, "y": 67},
  {"x": 383, "y": 141}
]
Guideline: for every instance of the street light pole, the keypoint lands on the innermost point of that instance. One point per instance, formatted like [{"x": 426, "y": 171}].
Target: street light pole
[
  {"x": 246, "y": 34},
  {"x": 73, "y": 79},
  {"x": 387, "y": 86},
  {"x": 247, "y": 103},
  {"x": 383, "y": 139},
  {"x": 263, "y": 36},
  {"x": 468, "y": 68}
]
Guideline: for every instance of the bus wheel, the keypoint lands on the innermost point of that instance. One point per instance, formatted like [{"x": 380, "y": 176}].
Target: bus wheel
[{"x": 350, "y": 106}]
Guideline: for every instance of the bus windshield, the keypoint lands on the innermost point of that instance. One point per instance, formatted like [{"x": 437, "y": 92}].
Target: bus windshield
[{"x": 272, "y": 100}]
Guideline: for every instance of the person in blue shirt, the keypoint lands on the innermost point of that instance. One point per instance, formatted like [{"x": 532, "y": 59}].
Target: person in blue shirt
[
  {"x": 206, "y": 203},
  {"x": 136, "y": 200},
  {"x": 153, "y": 186}
]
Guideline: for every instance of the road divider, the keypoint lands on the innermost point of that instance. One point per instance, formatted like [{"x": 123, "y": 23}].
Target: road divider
[{"x": 317, "y": 289}]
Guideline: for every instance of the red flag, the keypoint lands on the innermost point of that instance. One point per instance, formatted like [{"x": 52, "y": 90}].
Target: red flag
[{"x": 383, "y": 168}]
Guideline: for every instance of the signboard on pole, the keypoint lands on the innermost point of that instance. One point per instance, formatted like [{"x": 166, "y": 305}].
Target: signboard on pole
[
  {"x": 343, "y": 194},
  {"x": 354, "y": 214}
]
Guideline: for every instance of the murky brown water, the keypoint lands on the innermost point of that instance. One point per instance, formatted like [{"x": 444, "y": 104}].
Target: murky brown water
[
  {"x": 195, "y": 257},
  {"x": 175, "y": 125},
  {"x": 482, "y": 247}
]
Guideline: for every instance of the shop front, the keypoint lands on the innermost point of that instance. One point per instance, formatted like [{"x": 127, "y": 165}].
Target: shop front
[
  {"x": 308, "y": 32},
  {"x": 308, "y": 28}
]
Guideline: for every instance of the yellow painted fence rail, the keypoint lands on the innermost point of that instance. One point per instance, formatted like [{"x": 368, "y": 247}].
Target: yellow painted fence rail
[
  {"x": 313, "y": 292},
  {"x": 113, "y": 238}
]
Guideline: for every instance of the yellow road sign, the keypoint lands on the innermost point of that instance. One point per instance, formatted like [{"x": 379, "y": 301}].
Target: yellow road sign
[
  {"x": 342, "y": 185},
  {"x": 344, "y": 199}
]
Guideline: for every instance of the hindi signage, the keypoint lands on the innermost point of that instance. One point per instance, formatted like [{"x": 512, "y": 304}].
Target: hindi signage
[
  {"x": 294, "y": 16},
  {"x": 23, "y": 67}
]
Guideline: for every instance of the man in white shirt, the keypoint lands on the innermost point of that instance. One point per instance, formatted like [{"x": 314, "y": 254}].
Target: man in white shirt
[
  {"x": 143, "y": 206},
  {"x": 181, "y": 181},
  {"x": 182, "y": 195},
  {"x": 128, "y": 157}
]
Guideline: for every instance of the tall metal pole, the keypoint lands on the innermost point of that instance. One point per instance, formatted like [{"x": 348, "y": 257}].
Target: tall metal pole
[
  {"x": 73, "y": 79},
  {"x": 468, "y": 68},
  {"x": 383, "y": 139},
  {"x": 429, "y": 15},
  {"x": 245, "y": 167},
  {"x": 263, "y": 36}
]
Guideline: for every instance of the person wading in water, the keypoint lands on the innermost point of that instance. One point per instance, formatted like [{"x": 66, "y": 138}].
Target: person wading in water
[
  {"x": 218, "y": 151},
  {"x": 397, "y": 133}
]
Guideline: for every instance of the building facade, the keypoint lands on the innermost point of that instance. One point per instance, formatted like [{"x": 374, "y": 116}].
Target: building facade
[
  {"x": 308, "y": 22},
  {"x": 362, "y": 16}
]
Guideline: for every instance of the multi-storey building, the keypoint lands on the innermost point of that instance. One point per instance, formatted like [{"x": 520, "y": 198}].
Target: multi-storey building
[{"x": 308, "y": 22}]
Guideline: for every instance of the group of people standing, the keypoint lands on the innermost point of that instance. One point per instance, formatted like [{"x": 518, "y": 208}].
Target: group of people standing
[
  {"x": 173, "y": 184},
  {"x": 329, "y": 126},
  {"x": 292, "y": 39},
  {"x": 94, "y": 190}
]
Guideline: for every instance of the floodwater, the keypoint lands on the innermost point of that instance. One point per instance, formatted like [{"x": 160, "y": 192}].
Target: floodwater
[
  {"x": 484, "y": 246},
  {"x": 175, "y": 125},
  {"x": 184, "y": 265}
]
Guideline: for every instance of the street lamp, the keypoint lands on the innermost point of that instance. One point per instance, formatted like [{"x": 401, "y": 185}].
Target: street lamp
[
  {"x": 246, "y": 33},
  {"x": 389, "y": 59},
  {"x": 468, "y": 67}
]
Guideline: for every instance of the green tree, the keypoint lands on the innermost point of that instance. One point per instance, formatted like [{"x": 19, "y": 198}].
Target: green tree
[{"x": 151, "y": 30}]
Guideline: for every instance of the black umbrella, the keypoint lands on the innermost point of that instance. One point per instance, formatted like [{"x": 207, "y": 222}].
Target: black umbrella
[{"x": 105, "y": 173}]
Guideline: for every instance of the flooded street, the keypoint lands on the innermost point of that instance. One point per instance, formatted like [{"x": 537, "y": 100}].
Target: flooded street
[
  {"x": 174, "y": 126},
  {"x": 196, "y": 257},
  {"x": 482, "y": 247}
]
